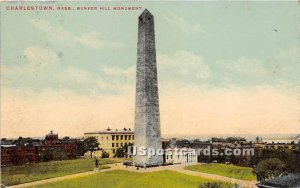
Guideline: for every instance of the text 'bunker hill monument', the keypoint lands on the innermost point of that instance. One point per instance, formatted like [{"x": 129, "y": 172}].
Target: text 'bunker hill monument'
[{"x": 147, "y": 131}]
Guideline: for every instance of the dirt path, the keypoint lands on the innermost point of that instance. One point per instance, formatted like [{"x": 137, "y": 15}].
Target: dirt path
[{"x": 118, "y": 166}]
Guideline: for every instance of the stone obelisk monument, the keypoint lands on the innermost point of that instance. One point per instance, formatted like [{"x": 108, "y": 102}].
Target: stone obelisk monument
[{"x": 147, "y": 121}]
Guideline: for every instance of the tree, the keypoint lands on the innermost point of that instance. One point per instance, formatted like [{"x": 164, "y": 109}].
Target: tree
[
  {"x": 166, "y": 144},
  {"x": 127, "y": 147},
  {"x": 123, "y": 151},
  {"x": 90, "y": 144},
  {"x": 215, "y": 139},
  {"x": 235, "y": 139},
  {"x": 183, "y": 143},
  {"x": 120, "y": 153},
  {"x": 23, "y": 141},
  {"x": 50, "y": 154},
  {"x": 257, "y": 139},
  {"x": 268, "y": 169},
  {"x": 66, "y": 138},
  {"x": 104, "y": 154},
  {"x": 80, "y": 150},
  {"x": 289, "y": 157}
]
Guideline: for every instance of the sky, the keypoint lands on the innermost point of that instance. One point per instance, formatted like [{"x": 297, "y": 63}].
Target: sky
[{"x": 223, "y": 68}]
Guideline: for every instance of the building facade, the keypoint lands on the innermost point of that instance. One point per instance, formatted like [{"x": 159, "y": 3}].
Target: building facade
[
  {"x": 14, "y": 155},
  {"x": 110, "y": 140},
  {"x": 180, "y": 156},
  {"x": 37, "y": 151}
]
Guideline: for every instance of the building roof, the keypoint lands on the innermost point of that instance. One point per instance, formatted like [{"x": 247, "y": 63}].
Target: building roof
[{"x": 113, "y": 131}]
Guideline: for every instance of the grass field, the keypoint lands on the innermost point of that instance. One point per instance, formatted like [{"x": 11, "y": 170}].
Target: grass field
[
  {"x": 243, "y": 173},
  {"x": 32, "y": 172},
  {"x": 126, "y": 179}
]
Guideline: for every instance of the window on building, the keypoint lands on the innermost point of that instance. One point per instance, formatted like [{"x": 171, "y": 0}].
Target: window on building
[
  {"x": 129, "y": 137},
  {"x": 167, "y": 156},
  {"x": 113, "y": 137},
  {"x": 121, "y": 144},
  {"x": 113, "y": 145},
  {"x": 117, "y": 137},
  {"x": 132, "y": 137},
  {"x": 114, "y": 151},
  {"x": 125, "y": 137},
  {"x": 117, "y": 144},
  {"x": 107, "y": 138},
  {"x": 121, "y": 137}
]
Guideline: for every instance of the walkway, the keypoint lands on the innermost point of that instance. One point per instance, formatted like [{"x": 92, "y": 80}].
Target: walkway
[{"x": 118, "y": 166}]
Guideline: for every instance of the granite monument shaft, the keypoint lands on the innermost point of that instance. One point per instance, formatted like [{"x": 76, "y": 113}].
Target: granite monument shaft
[{"x": 147, "y": 117}]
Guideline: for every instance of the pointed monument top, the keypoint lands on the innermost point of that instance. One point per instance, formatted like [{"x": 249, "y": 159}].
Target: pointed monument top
[{"x": 146, "y": 13}]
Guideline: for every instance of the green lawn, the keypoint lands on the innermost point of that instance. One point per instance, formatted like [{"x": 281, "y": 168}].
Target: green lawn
[
  {"x": 13, "y": 175},
  {"x": 126, "y": 179},
  {"x": 243, "y": 173}
]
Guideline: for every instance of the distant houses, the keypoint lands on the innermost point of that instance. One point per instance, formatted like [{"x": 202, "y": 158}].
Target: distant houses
[{"x": 28, "y": 150}]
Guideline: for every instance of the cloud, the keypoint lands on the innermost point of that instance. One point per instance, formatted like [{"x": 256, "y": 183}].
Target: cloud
[
  {"x": 184, "y": 26},
  {"x": 37, "y": 55},
  {"x": 78, "y": 75},
  {"x": 281, "y": 68},
  {"x": 118, "y": 71},
  {"x": 95, "y": 82},
  {"x": 233, "y": 110},
  {"x": 92, "y": 39},
  {"x": 286, "y": 63},
  {"x": 37, "y": 61},
  {"x": 250, "y": 110},
  {"x": 57, "y": 34},
  {"x": 199, "y": 110},
  {"x": 95, "y": 40},
  {"x": 184, "y": 63},
  {"x": 41, "y": 68},
  {"x": 244, "y": 66},
  {"x": 115, "y": 86},
  {"x": 32, "y": 113}
]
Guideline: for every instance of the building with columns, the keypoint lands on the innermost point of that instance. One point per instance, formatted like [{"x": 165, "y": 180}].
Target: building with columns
[{"x": 183, "y": 155}]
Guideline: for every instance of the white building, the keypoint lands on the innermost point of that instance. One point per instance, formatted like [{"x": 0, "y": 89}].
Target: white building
[{"x": 180, "y": 155}]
